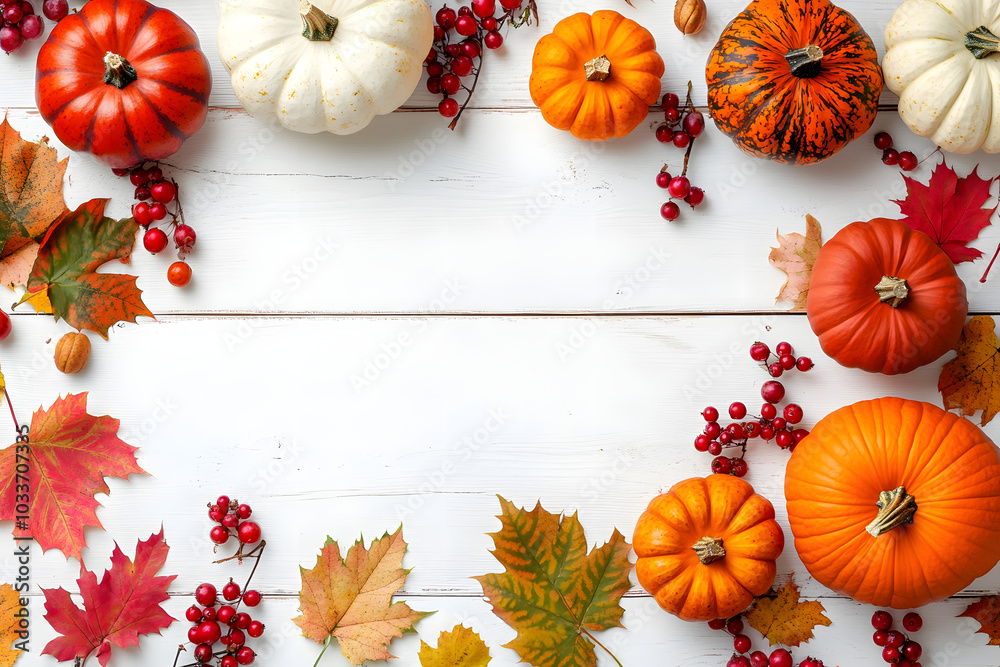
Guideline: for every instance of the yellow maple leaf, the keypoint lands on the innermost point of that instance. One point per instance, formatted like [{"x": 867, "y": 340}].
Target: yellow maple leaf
[
  {"x": 971, "y": 381},
  {"x": 351, "y": 599},
  {"x": 9, "y": 605},
  {"x": 461, "y": 647},
  {"x": 795, "y": 255},
  {"x": 783, "y": 618}
]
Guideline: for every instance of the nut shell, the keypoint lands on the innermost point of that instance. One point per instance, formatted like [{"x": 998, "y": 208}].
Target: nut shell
[
  {"x": 690, "y": 15},
  {"x": 72, "y": 352}
]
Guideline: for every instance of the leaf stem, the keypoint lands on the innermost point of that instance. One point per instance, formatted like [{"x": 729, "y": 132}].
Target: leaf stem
[
  {"x": 326, "y": 644},
  {"x": 606, "y": 649},
  {"x": 987, "y": 271}
]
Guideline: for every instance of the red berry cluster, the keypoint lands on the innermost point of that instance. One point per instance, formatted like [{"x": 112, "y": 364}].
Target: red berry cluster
[
  {"x": 457, "y": 52},
  {"x": 906, "y": 160},
  {"x": 155, "y": 195},
  {"x": 19, "y": 21},
  {"x": 680, "y": 128},
  {"x": 897, "y": 648},
  {"x": 742, "y": 644},
  {"x": 784, "y": 359},
  {"x": 231, "y": 517},
  {"x": 208, "y": 621}
]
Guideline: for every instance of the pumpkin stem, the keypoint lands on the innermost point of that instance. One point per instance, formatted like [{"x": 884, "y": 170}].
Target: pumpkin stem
[
  {"x": 597, "y": 69},
  {"x": 892, "y": 290},
  {"x": 317, "y": 25},
  {"x": 118, "y": 72},
  {"x": 805, "y": 62},
  {"x": 894, "y": 509},
  {"x": 981, "y": 42},
  {"x": 709, "y": 549}
]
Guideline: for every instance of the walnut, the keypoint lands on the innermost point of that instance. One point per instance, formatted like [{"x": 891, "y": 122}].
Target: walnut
[
  {"x": 690, "y": 15},
  {"x": 72, "y": 352}
]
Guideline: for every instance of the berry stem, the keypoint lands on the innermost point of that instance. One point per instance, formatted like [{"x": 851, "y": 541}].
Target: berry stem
[
  {"x": 687, "y": 154},
  {"x": 468, "y": 98},
  {"x": 987, "y": 271},
  {"x": 17, "y": 426}
]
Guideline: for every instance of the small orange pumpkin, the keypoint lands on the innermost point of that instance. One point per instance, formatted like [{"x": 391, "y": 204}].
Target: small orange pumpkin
[
  {"x": 706, "y": 547},
  {"x": 596, "y": 75},
  {"x": 895, "y": 502}
]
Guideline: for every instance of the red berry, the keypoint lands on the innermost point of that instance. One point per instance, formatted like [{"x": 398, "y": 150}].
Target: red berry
[
  {"x": 783, "y": 348},
  {"x": 228, "y": 661},
  {"x": 768, "y": 411},
  {"x": 184, "y": 236},
  {"x": 209, "y": 631},
  {"x": 140, "y": 212},
  {"x": 215, "y": 513},
  {"x": 249, "y": 532},
  {"x": 780, "y": 658},
  {"x": 163, "y": 192},
  {"x": 890, "y": 156},
  {"x": 243, "y": 511},
  {"x": 712, "y": 430},
  {"x": 157, "y": 211},
  {"x": 784, "y": 439},
  {"x": 223, "y": 502},
  {"x": 231, "y": 591},
  {"x": 895, "y": 639},
  {"x": 737, "y": 410},
  {"x": 218, "y": 534},
  {"x": 434, "y": 84},
  {"x": 778, "y": 423},
  {"x": 670, "y": 211},
  {"x": 255, "y": 629},
  {"x": 681, "y": 139},
  {"x": 448, "y": 107},
  {"x": 907, "y": 160},
  {"x": 710, "y": 414},
  {"x": 226, "y": 613},
  {"x": 483, "y": 8},
  {"x": 205, "y": 595},
  {"x": 725, "y": 437},
  {"x": 119, "y": 171},
  {"x": 155, "y": 175},
  {"x": 671, "y": 116},
  {"x": 787, "y": 362},
  {"x": 694, "y": 123},
  {"x": 141, "y": 193},
  {"x": 734, "y": 626},
  {"x": 493, "y": 40},
  {"x": 466, "y": 26},
  {"x": 26, "y": 7},
  {"x": 695, "y": 197},
  {"x": 470, "y": 48},
  {"x": 811, "y": 662},
  {"x": 193, "y": 613},
  {"x": 451, "y": 84},
  {"x": 775, "y": 370},
  {"x": 739, "y": 468},
  {"x": 913, "y": 622},
  {"x": 438, "y": 33},
  {"x": 462, "y": 65},
  {"x": 237, "y": 638},
  {"x": 55, "y": 10},
  {"x": 803, "y": 363},
  {"x": 883, "y": 141},
  {"x": 741, "y": 643},
  {"x": 510, "y": 5},
  {"x": 251, "y": 598},
  {"x": 752, "y": 429},
  {"x": 179, "y": 274},
  {"x": 489, "y": 24},
  {"x": 12, "y": 14},
  {"x": 193, "y": 635},
  {"x": 880, "y": 637},
  {"x": 714, "y": 448},
  {"x": 203, "y": 652},
  {"x": 679, "y": 187},
  {"x": 32, "y": 27},
  {"x": 245, "y": 655},
  {"x": 663, "y": 179},
  {"x": 670, "y": 101},
  {"x": 208, "y": 614},
  {"x": 793, "y": 413},
  {"x": 230, "y": 520},
  {"x": 453, "y": 50},
  {"x": 890, "y": 654},
  {"x": 11, "y": 39},
  {"x": 242, "y": 620},
  {"x": 138, "y": 176},
  {"x": 445, "y": 17},
  {"x": 721, "y": 465},
  {"x": 465, "y": 10},
  {"x": 701, "y": 443},
  {"x": 717, "y": 624},
  {"x": 664, "y": 134},
  {"x": 772, "y": 391},
  {"x": 758, "y": 659},
  {"x": 759, "y": 351},
  {"x": 911, "y": 650},
  {"x": 798, "y": 434}
]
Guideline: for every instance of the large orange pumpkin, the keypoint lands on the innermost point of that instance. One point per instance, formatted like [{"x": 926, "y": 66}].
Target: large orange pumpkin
[
  {"x": 895, "y": 502},
  {"x": 885, "y": 298},
  {"x": 793, "y": 80},
  {"x": 706, "y": 547},
  {"x": 596, "y": 75}
]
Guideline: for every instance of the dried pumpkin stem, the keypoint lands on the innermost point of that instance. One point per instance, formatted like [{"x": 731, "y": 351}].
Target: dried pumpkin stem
[
  {"x": 118, "y": 72},
  {"x": 981, "y": 42},
  {"x": 805, "y": 62},
  {"x": 317, "y": 25},
  {"x": 709, "y": 549},
  {"x": 894, "y": 509},
  {"x": 892, "y": 290},
  {"x": 597, "y": 69}
]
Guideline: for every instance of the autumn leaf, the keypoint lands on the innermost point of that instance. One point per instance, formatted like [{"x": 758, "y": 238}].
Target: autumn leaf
[
  {"x": 31, "y": 189},
  {"x": 66, "y": 270},
  {"x": 553, "y": 592},
  {"x": 124, "y": 605},
  {"x": 11, "y": 615},
  {"x": 461, "y": 647},
  {"x": 795, "y": 255},
  {"x": 16, "y": 267},
  {"x": 949, "y": 209},
  {"x": 783, "y": 618},
  {"x": 971, "y": 381},
  {"x": 987, "y": 612},
  {"x": 351, "y": 600},
  {"x": 70, "y": 454}
]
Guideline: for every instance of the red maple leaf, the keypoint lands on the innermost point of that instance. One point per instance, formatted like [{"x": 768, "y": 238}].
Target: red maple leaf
[
  {"x": 949, "y": 209},
  {"x": 116, "y": 611},
  {"x": 69, "y": 454}
]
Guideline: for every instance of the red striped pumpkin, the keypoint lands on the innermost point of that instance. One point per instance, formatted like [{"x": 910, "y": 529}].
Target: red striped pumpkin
[
  {"x": 793, "y": 80},
  {"x": 123, "y": 80}
]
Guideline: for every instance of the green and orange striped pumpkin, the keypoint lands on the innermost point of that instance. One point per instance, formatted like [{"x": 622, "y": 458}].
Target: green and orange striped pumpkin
[{"x": 793, "y": 80}]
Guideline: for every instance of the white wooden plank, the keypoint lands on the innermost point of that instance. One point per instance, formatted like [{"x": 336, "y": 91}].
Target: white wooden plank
[
  {"x": 413, "y": 218},
  {"x": 504, "y": 82},
  {"x": 344, "y": 426}
]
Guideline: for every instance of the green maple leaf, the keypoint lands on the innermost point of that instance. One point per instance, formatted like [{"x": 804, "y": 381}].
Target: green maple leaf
[
  {"x": 64, "y": 276},
  {"x": 553, "y": 592}
]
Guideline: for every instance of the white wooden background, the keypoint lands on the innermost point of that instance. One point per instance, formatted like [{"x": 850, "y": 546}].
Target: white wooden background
[{"x": 363, "y": 308}]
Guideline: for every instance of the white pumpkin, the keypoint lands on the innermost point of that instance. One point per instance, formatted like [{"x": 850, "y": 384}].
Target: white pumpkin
[
  {"x": 941, "y": 59},
  {"x": 333, "y": 65}
]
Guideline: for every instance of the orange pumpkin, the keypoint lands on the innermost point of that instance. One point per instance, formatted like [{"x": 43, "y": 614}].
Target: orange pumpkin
[
  {"x": 706, "y": 547},
  {"x": 793, "y": 80},
  {"x": 596, "y": 75},
  {"x": 885, "y": 298},
  {"x": 895, "y": 502}
]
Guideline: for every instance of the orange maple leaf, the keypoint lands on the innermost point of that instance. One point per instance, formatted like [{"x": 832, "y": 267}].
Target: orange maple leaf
[
  {"x": 971, "y": 381},
  {"x": 351, "y": 599},
  {"x": 783, "y": 618},
  {"x": 795, "y": 255},
  {"x": 70, "y": 454},
  {"x": 987, "y": 612},
  {"x": 10, "y": 628}
]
